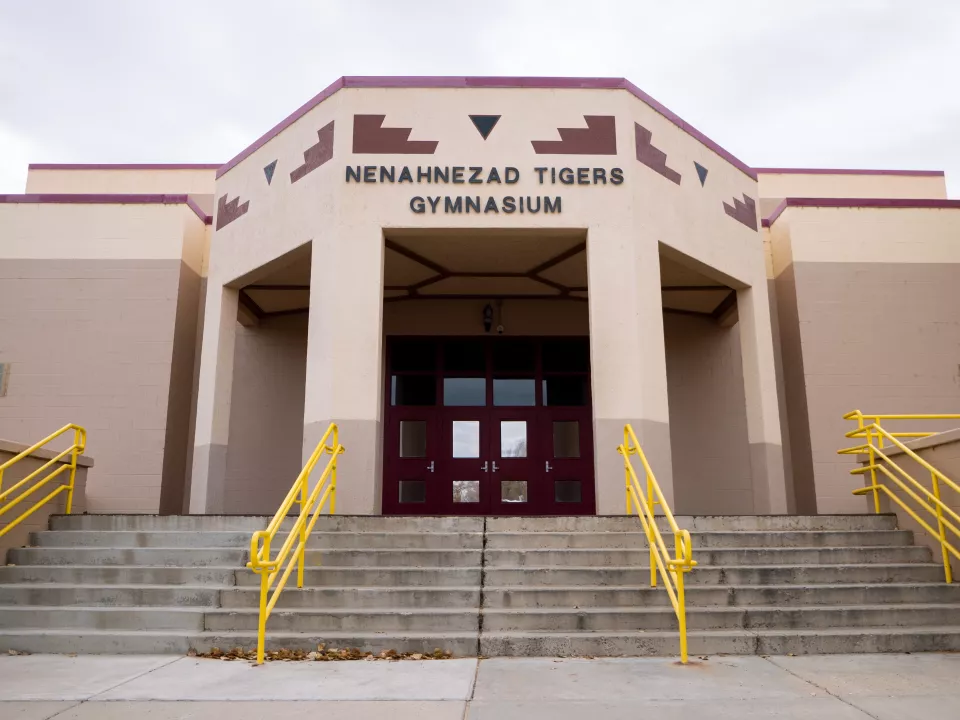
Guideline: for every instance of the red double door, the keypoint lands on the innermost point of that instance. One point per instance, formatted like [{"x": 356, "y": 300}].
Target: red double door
[{"x": 488, "y": 426}]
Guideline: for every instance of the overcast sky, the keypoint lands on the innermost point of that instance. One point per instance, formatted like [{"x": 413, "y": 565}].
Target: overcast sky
[{"x": 796, "y": 83}]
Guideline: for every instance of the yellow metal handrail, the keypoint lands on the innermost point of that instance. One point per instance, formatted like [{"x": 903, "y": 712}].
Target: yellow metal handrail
[
  {"x": 311, "y": 507},
  {"x": 671, "y": 569},
  {"x": 928, "y": 500},
  {"x": 74, "y": 451}
]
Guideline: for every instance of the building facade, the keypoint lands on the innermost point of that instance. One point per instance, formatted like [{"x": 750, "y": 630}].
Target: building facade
[{"x": 481, "y": 281}]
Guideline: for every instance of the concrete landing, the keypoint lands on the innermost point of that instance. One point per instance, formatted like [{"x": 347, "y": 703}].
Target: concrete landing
[{"x": 836, "y": 687}]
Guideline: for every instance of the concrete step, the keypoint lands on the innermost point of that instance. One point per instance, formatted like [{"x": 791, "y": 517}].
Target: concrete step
[
  {"x": 250, "y": 523},
  {"x": 393, "y": 558},
  {"x": 49, "y": 594},
  {"x": 715, "y": 556},
  {"x": 143, "y": 557},
  {"x": 100, "y": 618},
  {"x": 402, "y": 620},
  {"x": 734, "y": 642},
  {"x": 360, "y": 598},
  {"x": 119, "y": 575},
  {"x": 519, "y": 598},
  {"x": 358, "y": 576},
  {"x": 162, "y": 642},
  {"x": 701, "y": 540},
  {"x": 241, "y": 540},
  {"x": 708, "y": 523},
  {"x": 599, "y": 619},
  {"x": 714, "y": 575}
]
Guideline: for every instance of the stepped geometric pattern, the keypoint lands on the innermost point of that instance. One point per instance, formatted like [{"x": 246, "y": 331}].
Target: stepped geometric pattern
[{"x": 494, "y": 586}]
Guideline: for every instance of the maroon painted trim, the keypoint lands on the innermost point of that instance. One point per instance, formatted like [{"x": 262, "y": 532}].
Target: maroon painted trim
[
  {"x": 109, "y": 199},
  {"x": 123, "y": 166},
  {"x": 485, "y": 82},
  {"x": 845, "y": 171},
  {"x": 882, "y": 203}
]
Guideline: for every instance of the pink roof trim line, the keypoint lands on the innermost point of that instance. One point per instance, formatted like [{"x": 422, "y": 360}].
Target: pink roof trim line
[
  {"x": 881, "y": 203},
  {"x": 123, "y": 166},
  {"x": 485, "y": 82},
  {"x": 110, "y": 199},
  {"x": 846, "y": 171}
]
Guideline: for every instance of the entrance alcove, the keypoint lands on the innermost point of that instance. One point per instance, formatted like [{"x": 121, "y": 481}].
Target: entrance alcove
[
  {"x": 486, "y": 393},
  {"x": 708, "y": 420},
  {"x": 267, "y": 396}
]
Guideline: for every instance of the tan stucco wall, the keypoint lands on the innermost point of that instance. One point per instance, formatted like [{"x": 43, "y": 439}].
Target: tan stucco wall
[
  {"x": 88, "y": 313},
  {"x": 266, "y": 414},
  {"x": 708, "y": 420},
  {"x": 868, "y": 304},
  {"x": 860, "y": 185},
  {"x": 71, "y": 181},
  {"x": 626, "y": 227}
]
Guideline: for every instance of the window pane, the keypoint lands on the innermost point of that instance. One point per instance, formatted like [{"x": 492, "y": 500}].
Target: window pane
[
  {"x": 566, "y": 491},
  {"x": 566, "y": 439},
  {"x": 567, "y": 355},
  {"x": 466, "y": 438},
  {"x": 413, "y": 390},
  {"x": 413, "y": 356},
  {"x": 513, "y": 438},
  {"x": 466, "y": 356},
  {"x": 565, "y": 391},
  {"x": 413, "y": 438},
  {"x": 413, "y": 491},
  {"x": 514, "y": 356},
  {"x": 466, "y": 491},
  {"x": 513, "y": 491},
  {"x": 515, "y": 393},
  {"x": 464, "y": 392}
]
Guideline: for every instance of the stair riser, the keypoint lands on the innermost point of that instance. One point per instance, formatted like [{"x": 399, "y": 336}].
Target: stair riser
[
  {"x": 639, "y": 558},
  {"x": 88, "y": 596},
  {"x": 248, "y": 524},
  {"x": 727, "y": 523},
  {"x": 393, "y": 558},
  {"x": 119, "y": 575},
  {"x": 459, "y": 644},
  {"x": 520, "y": 598},
  {"x": 701, "y": 540},
  {"x": 358, "y": 598},
  {"x": 399, "y": 622},
  {"x": 241, "y": 540},
  {"x": 377, "y": 577},
  {"x": 611, "y": 646},
  {"x": 81, "y": 619},
  {"x": 170, "y": 557}
]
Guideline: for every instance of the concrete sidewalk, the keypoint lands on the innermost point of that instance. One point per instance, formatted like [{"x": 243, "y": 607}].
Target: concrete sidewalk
[{"x": 824, "y": 687}]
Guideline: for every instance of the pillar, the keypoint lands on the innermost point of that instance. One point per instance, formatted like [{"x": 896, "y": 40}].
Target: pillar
[
  {"x": 628, "y": 361},
  {"x": 760, "y": 392},
  {"x": 344, "y": 368},
  {"x": 214, "y": 389}
]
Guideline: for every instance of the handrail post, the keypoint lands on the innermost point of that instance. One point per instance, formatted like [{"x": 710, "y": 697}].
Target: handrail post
[
  {"x": 264, "y": 591},
  {"x": 626, "y": 470},
  {"x": 681, "y": 614},
  {"x": 304, "y": 485},
  {"x": 873, "y": 469},
  {"x": 333, "y": 471},
  {"x": 650, "y": 532},
  {"x": 73, "y": 470},
  {"x": 947, "y": 570}
]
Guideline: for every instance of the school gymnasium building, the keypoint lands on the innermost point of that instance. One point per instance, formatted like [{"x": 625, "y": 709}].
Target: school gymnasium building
[{"x": 481, "y": 282}]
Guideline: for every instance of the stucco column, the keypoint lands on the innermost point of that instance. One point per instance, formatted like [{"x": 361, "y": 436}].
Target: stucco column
[
  {"x": 344, "y": 359},
  {"x": 628, "y": 362},
  {"x": 760, "y": 391},
  {"x": 214, "y": 390}
]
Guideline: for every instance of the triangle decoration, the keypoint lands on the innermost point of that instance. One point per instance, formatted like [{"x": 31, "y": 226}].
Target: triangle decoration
[
  {"x": 701, "y": 173},
  {"x": 484, "y": 124},
  {"x": 268, "y": 171}
]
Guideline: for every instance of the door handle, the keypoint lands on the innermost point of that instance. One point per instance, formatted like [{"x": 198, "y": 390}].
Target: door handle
[
  {"x": 430, "y": 466},
  {"x": 485, "y": 467},
  {"x": 495, "y": 468},
  {"x": 549, "y": 467}
]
